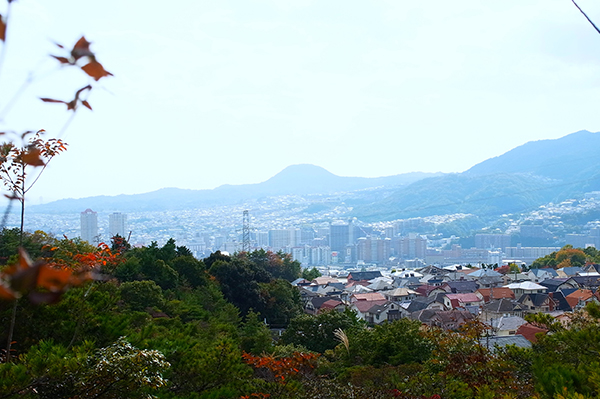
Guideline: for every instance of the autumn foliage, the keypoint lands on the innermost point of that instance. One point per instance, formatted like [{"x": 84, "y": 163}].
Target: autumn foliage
[{"x": 46, "y": 280}]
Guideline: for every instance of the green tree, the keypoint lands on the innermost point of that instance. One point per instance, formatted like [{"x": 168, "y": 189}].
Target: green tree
[
  {"x": 310, "y": 274},
  {"x": 391, "y": 343},
  {"x": 317, "y": 332},
  {"x": 255, "y": 336},
  {"x": 52, "y": 371},
  {"x": 190, "y": 270},
  {"x": 239, "y": 281},
  {"x": 142, "y": 294},
  {"x": 566, "y": 362},
  {"x": 280, "y": 302}
]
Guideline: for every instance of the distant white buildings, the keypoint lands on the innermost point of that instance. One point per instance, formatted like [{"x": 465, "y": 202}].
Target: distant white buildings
[
  {"x": 89, "y": 226},
  {"x": 116, "y": 224}
]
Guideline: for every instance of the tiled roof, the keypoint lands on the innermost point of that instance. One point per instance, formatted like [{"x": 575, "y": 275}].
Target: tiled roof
[
  {"x": 529, "y": 331},
  {"x": 463, "y": 297},
  {"x": 496, "y": 293},
  {"x": 368, "y": 296}
]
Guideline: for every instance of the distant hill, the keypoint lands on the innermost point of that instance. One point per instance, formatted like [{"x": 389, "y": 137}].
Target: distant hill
[
  {"x": 520, "y": 180},
  {"x": 302, "y": 179},
  {"x": 571, "y": 157}
]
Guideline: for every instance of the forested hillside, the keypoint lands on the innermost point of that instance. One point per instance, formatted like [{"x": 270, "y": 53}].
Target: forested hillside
[{"x": 121, "y": 322}]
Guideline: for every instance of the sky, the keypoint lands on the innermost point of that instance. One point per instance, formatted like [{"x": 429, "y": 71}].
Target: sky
[{"x": 207, "y": 93}]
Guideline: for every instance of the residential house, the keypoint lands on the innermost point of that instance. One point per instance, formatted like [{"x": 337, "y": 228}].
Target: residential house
[
  {"x": 388, "y": 311},
  {"x": 569, "y": 271},
  {"x": 315, "y": 304},
  {"x": 502, "y": 307},
  {"x": 491, "y": 281},
  {"x": 429, "y": 290},
  {"x": 560, "y": 301},
  {"x": 332, "y": 304},
  {"x": 453, "y": 301},
  {"x": 493, "y": 342},
  {"x": 424, "y": 315},
  {"x": 451, "y": 320},
  {"x": 363, "y": 302},
  {"x": 422, "y": 303},
  {"x": 557, "y": 284},
  {"x": 591, "y": 282},
  {"x": 580, "y": 297},
  {"x": 541, "y": 274},
  {"x": 463, "y": 286},
  {"x": 530, "y": 332},
  {"x": 324, "y": 280},
  {"x": 526, "y": 287},
  {"x": 490, "y": 294},
  {"x": 382, "y": 283},
  {"x": 400, "y": 294},
  {"x": 505, "y": 326},
  {"x": 480, "y": 273},
  {"x": 363, "y": 275},
  {"x": 537, "y": 302},
  {"x": 300, "y": 282}
]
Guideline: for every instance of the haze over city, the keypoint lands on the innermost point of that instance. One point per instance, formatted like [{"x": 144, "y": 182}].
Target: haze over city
[{"x": 206, "y": 94}]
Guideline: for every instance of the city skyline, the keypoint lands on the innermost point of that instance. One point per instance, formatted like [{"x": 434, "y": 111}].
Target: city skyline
[{"x": 209, "y": 94}]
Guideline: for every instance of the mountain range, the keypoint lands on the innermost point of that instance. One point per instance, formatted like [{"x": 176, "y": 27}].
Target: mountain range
[{"x": 520, "y": 180}]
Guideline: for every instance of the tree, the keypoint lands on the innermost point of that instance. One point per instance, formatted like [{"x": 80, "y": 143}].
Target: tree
[
  {"x": 566, "y": 362},
  {"x": 317, "y": 332},
  {"x": 280, "y": 302},
  {"x": 15, "y": 162},
  {"x": 239, "y": 282},
  {"x": 279, "y": 265},
  {"x": 255, "y": 336},
  {"x": 190, "y": 270},
  {"x": 142, "y": 294},
  {"x": 51, "y": 371},
  {"x": 391, "y": 343},
  {"x": 310, "y": 274}
]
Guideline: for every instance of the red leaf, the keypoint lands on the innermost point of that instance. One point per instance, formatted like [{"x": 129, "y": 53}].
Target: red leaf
[
  {"x": 95, "y": 70},
  {"x": 53, "y": 279},
  {"x": 47, "y": 100},
  {"x": 2, "y": 29},
  {"x": 81, "y": 49},
  {"x": 32, "y": 157},
  {"x": 6, "y": 293},
  {"x": 62, "y": 60}
]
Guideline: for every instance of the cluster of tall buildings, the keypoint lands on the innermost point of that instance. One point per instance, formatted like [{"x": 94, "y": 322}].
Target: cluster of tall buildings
[
  {"x": 89, "y": 226},
  {"x": 347, "y": 243}
]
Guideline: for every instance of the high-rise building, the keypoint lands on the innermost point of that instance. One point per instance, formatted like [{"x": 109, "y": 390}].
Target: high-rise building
[
  {"x": 89, "y": 226},
  {"x": 279, "y": 238},
  {"x": 339, "y": 236},
  {"x": 116, "y": 224}
]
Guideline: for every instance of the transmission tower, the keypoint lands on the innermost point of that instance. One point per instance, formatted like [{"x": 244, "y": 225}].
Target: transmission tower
[{"x": 246, "y": 232}]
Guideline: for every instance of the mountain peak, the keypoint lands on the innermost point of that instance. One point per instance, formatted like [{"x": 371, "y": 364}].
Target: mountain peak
[{"x": 303, "y": 172}]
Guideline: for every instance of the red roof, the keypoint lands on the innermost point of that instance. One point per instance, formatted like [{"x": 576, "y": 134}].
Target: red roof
[
  {"x": 580, "y": 294},
  {"x": 529, "y": 331},
  {"x": 330, "y": 305},
  {"x": 365, "y": 305},
  {"x": 496, "y": 293}
]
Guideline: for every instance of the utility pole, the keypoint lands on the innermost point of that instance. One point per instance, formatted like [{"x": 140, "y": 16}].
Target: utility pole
[{"x": 246, "y": 232}]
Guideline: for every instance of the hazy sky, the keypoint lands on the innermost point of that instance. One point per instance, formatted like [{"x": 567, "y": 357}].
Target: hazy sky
[{"x": 207, "y": 93}]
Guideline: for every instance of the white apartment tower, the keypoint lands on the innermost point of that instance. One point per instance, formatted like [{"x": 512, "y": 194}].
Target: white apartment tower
[
  {"x": 89, "y": 226},
  {"x": 116, "y": 224}
]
